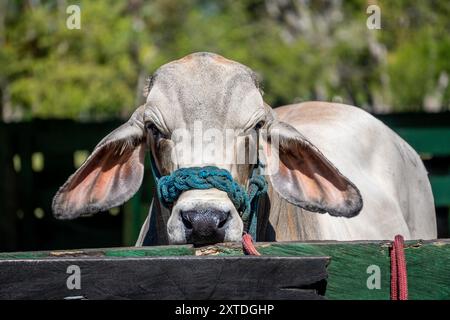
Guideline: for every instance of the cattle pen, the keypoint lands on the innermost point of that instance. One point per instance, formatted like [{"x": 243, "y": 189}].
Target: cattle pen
[{"x": 289, "y": 270}]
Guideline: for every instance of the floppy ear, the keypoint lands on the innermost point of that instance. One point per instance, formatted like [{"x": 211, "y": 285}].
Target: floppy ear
[
  {"x": 110, "y": 175},
  {"x": 303, "y": 176}
]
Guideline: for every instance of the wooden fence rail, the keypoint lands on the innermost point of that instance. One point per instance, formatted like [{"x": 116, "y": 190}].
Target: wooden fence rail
[{"x": 286, "y": 270}]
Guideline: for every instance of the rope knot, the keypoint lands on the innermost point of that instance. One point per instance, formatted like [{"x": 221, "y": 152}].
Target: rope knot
[{"x": 170, "y": 187}]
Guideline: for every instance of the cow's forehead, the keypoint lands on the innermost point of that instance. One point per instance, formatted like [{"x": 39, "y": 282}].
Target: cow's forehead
[
  {"x": 206, "y": 87},
  {"x": 207, "y": 64}
]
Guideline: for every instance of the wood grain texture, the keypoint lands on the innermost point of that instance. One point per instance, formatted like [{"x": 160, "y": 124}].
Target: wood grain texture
[
  {"x": 428, "y": 267},
  {"x": 166, "y": 278},
  {"x": 179, "y": 250},
  {"x": 428, "y": 263}
]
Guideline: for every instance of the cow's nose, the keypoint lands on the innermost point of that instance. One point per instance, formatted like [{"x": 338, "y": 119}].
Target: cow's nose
[{"x": 205, "y": 226}]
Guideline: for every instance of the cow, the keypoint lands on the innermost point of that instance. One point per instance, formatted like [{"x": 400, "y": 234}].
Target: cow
[{"x": 337, "y": 173}]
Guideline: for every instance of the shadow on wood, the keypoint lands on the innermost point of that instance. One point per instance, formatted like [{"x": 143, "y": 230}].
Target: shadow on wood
[{"x": 166, "y": 278}]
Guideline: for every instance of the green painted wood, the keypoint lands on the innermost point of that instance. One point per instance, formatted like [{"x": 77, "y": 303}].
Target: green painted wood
[
  {"x": 428, "y": 263},
  {"x": 429, "y": 135},
  {"x": 441, "y": 189},
  {"x": 348, "y": 269},
  {"x": 181, "y": 250},
  {"x": 434, "y": 140},
  {"x": 23, "y": 255},
  {"x": 151, "y": 251},
  {"x": 347, "y": 272},
  {"x": 415, "y": 119}
]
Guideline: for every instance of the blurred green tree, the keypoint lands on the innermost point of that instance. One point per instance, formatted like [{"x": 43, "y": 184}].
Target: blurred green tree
[{"x": 302, "y": 50}]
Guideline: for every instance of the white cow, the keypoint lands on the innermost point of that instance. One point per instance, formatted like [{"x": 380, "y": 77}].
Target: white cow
[
  {"x": 336, "y": 172},
  {"x": 389, "y": 174}
]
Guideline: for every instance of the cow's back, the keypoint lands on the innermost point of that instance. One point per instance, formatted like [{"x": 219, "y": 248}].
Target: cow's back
[{"x": 391, "y": 177}]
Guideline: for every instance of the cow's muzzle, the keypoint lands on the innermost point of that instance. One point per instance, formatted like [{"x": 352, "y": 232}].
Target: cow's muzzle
[{"x": 205, "y": 226}]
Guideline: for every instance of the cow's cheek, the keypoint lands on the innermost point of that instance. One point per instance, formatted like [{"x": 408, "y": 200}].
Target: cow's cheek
[
  {"x": 175, "y": 229},
  {"x": 235, "y": 227}
]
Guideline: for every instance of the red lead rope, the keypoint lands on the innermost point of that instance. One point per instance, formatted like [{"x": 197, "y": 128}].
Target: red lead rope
[
  {"x": 248, "y": 246},
  {"x": 399, "y": 277}
]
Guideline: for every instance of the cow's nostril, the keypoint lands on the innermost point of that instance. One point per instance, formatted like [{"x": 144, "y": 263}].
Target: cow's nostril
[
  {"x": 185, "y": 219},
  {"x": 205, "y": 225},
  {"x": 223, "y": 220}
]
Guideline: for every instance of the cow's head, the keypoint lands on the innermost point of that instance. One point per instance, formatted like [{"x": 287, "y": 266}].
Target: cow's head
[{"x": 205, "y": 110}]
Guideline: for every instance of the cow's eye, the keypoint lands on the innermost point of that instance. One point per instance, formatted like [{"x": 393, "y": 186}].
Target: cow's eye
[
  {"x": 151, "y": 128},
  {"x": 259, "y": 125}
]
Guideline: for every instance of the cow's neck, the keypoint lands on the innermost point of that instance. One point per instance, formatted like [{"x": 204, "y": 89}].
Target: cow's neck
[{"x": 281, "y": 221}]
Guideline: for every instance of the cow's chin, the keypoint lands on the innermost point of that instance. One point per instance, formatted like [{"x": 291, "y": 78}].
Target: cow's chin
[{"x": 203, "y": 217}]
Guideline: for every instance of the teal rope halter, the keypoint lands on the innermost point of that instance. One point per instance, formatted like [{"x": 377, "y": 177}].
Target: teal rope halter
[{"x": 170, "y": 187}]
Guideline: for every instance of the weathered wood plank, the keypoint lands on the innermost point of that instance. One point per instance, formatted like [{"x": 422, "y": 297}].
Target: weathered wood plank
[
  {"x": 440, "y": 185},
  {"x": 348, "y": 269},
  {"x": 179, "y": 250},
  {"x": 428, "y": 263},
  {"x": 167, "y": 278}
]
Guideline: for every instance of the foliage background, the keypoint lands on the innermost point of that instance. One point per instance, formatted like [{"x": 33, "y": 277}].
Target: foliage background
[{"x": 302, "y": 50}]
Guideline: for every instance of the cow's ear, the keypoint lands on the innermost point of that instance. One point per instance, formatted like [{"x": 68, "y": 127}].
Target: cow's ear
[
  {"x": 109, "y": 176},
  {"x": 303, "y": 176}
]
